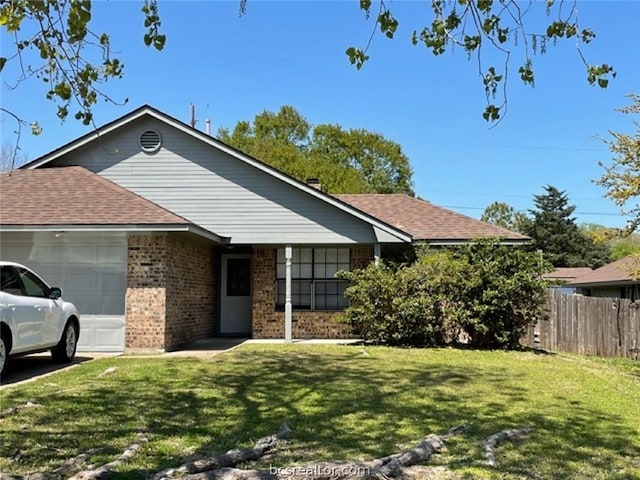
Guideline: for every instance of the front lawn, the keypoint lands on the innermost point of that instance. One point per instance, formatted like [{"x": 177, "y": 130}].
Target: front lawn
[{"x": 342, "y": 403}]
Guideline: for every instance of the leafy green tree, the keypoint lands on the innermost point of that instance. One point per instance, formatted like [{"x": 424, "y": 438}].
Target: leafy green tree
[
  {"x": 345, "y": 161},
  {"x": 380, "y": 162},
  {"x": 625, "y": 246},
  {"x": 622, "y": 177},
  {"x": 501, "y": 26},
  {"x": 488, "y": 291},
  {"x": 555, "y": 232},
  {"x": 504, "y": 215},
  {"x": 53, "y": 40},
  {"x": 618, "y": 245}
]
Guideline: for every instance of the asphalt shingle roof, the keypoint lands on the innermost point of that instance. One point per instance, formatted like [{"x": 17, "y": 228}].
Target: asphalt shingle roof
[
  {"x": 74, "y": 196},
  {"x": 567, "y": 273},
  {"x": 618, "y": 271},
  {"x": 426, "y": 221}
]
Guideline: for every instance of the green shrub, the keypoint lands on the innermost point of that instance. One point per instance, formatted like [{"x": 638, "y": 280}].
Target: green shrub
[
  {"x": 507, "y": 294},
  {"x": 487, "y": 291}
]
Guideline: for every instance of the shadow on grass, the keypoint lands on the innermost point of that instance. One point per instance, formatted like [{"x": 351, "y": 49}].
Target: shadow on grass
[{"x": 341, "y": 404}]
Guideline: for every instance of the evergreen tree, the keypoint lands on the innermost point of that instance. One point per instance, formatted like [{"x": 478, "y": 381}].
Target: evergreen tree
[{"x": 555, "y": 232}]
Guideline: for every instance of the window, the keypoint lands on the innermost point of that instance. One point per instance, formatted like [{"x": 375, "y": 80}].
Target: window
[
  {"x": 10, "y": 283},
  {"x": 238, "y": 277},
  {"x": 313, "y": 282},
  {"x": 33, "y": 286},
  {"x": 17, "y": 281}
]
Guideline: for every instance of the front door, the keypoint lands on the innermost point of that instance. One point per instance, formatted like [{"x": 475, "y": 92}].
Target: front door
[{"x": 235, "y": 294}]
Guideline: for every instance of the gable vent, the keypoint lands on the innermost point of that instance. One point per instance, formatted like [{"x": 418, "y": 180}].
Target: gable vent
[{"x": 150, "y": 141}]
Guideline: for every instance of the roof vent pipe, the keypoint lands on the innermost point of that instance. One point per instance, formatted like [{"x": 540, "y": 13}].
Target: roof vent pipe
[
  {"x": 192, "y": 113},
  {"x": 207, "y": 126}
]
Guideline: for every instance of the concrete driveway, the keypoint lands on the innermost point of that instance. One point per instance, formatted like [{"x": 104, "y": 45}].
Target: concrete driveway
[{"x": 31, "y": 367}]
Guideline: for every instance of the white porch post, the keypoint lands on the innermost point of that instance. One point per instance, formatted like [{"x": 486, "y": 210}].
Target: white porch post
[
  {"x": 288, "y": 254},
  {"x": 376, "y": 253}
]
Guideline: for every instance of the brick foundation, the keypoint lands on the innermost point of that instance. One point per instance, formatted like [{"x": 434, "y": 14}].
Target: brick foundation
[{"x": 269, "y": 323}]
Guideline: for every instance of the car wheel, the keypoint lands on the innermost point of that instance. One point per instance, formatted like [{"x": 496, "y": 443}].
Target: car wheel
[
  {"x": 3, "y": 352},
  {"x": 66, "y": 348}
]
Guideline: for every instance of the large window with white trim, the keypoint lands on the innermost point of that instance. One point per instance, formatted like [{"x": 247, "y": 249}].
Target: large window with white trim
[{"x": 314, "y": 285}]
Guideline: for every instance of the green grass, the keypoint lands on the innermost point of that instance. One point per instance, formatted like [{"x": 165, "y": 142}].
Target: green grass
[{"x": 342, "y": 404}]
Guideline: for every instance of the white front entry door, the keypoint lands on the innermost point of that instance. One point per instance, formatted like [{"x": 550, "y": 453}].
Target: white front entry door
[{"x": 235, "y": 294}]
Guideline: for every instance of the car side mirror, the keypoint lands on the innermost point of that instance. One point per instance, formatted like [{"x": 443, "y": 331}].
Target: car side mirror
[{"x": 55, "y": 293}]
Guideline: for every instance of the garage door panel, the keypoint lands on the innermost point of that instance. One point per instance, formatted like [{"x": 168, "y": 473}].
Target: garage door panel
[
  {"x": 81, "y": 280},
  {"x": 109, "y": 254},
  {"x": 91, "y": 269},
  {"x": 52, "y": 274},
  {"x": 51, "y": 254},
  {"x": 109, "y": 304},
  {"x": 111, "y": 282},
  {"x": 13, "y": 250},
  {"x": 102, "y": 334},
  {"x": 82, "y": 254}
]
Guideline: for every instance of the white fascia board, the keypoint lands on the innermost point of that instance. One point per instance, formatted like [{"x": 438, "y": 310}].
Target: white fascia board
[{"x": 117, "y": 228}]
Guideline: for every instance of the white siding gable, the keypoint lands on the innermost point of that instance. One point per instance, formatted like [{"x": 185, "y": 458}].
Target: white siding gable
[{"x": 215, "y": 190}]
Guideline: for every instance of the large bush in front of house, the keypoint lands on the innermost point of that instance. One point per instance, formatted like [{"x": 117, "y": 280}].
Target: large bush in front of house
[
  {"x": 484, "y": 292},
  {"x": 409, "y": 305},
  {"x": 507, "y": 293}
]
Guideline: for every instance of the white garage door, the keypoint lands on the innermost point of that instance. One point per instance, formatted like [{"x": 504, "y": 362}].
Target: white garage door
[{"x": 91, "y": 269}]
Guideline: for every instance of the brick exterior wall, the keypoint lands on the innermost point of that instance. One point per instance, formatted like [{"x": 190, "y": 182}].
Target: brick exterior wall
[
  {"x": 171, "y": 291},
  {"x": 269, "y": 323},
  {"x": 146, "y": 297},
  {"x": 191, "y": 291}
]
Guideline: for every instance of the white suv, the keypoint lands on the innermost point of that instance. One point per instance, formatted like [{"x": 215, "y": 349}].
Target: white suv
[{"x": 33, "y": 316}]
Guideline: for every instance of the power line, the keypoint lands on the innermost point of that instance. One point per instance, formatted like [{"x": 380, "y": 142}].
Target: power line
[
  {"x": 459, "y": 207},
  {"x": 523, "y": 147},
  {"x": 494, "y": 195}
]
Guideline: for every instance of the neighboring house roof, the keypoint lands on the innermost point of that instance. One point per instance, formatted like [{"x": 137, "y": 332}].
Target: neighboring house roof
[
  {"x": 428, "y": 222},
  {"x": 75, "y": 198},
  {"x": 616, "y": 273},
  {"x": 567, "y": 274},
  {"x": 383, "y": 229}
]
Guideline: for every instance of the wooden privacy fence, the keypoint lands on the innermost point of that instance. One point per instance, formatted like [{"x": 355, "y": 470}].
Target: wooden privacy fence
[{"x": 606, "y": 327}]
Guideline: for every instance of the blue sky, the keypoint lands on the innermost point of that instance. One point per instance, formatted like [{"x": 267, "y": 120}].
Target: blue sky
[{"x": 292, "y": 53}]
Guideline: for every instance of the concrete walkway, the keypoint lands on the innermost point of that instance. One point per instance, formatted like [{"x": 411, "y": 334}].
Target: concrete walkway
[{"x": 210, "y": 347}]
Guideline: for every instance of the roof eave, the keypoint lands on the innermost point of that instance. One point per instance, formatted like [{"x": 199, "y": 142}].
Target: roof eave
[
  {"x": 441, "y": 242},
  {"x": 614, "y": 283},
  {"x": 143, "y": 228}
]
